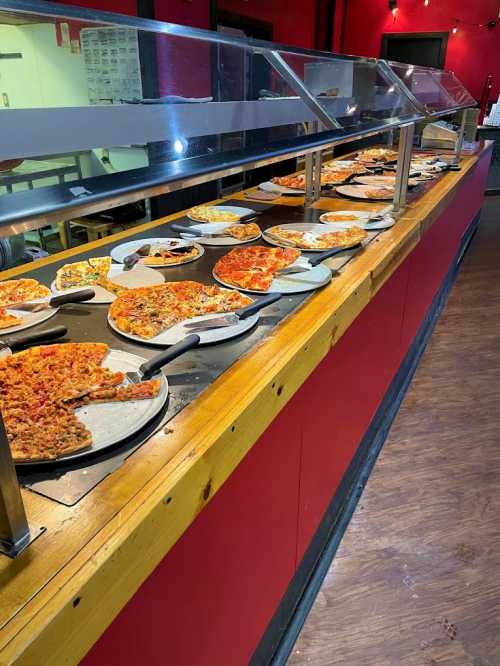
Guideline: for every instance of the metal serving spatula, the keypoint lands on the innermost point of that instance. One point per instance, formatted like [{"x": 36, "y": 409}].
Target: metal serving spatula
[
  {"x": 55, "y": 301},
  {"x": 232, "y": 318},
  {"x": 10, "y": 343}
]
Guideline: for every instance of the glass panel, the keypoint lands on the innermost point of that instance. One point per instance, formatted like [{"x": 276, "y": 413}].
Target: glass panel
[
  {"x": 436, "y": 90},
  {"x": 354, "y": 91},
  {"x": 85, "y": 100},
  {"x": 455, "y": 89}
]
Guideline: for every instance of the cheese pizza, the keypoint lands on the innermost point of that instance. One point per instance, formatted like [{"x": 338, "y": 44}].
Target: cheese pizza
[
  {"x": 20, "y": 291},
  {"x": 148, "y": 311},
  {"x": 213, "y": 214}
]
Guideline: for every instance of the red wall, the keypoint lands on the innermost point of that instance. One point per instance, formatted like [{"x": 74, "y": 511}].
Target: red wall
[
  {"x": 472, "y": 53},
  {"x": 119, "y": 6},
  {"x": 293, "y": 20}
]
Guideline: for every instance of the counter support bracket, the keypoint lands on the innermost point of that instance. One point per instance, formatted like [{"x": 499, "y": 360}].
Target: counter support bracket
[
  {"x": 15, "y": 533},
  {"x": 403, "y": 167}
]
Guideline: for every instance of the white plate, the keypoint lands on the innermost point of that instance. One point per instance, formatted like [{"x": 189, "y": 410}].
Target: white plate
[
  {"x": 216, "y": 227},
  {"x": 361, "y": 216},
  {"x": 272, "y": 187},
  {"x": 177, "y": 332},
  {"x": 113, "y": 422},
  {"x": 237, "y": 210},
  {"x": 359, "y": 192},
  {"x": 296, "y": 283},
  {"x": 139, "y": 276},
  {"x": 313, "y": 229},
  {"x": 29, "y": 318},
  {"x": 119, "y": 252}
]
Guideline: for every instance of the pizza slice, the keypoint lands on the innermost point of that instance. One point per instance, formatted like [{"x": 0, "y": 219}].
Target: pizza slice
[
  {"x": 7, "y": 320},
  {"x": 20, "y": 291},
  {"x": 83, "y": 273},
  {"x": 243, "y": 231},
  {"x": 143, "y": 391}
]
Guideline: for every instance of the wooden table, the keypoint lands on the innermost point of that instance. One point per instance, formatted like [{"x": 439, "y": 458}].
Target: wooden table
[{"x": 227, "y": 499}]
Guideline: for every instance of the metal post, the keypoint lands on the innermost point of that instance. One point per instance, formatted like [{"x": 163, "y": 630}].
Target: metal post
[
  {"x": 14, "y": 529},
  {"x": 460, "y": 139},
  {"x": 309, "y": 198},
  {"x": 317, "y": 174},
  {"x": 403, "y": 169},
  {"x": 312, "y": 169}
]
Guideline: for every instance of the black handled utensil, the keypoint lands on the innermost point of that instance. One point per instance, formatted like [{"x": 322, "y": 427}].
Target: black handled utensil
[
  {"x": 248, "y": 217},
  {"x": 131, "y": 259},
  {"x": 308, "y": 264},
  {"x": 233, "y": 318},
  {"x": 10, "y": 343},
  {"x": 149, "y": 368},
  {"x": 55, "y": 301}
]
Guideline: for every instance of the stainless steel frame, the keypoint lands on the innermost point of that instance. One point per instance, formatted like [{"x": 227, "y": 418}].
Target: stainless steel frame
[
  {"x": 403, "y": 167},
  {"x": 460, "y": 139},
  {"x": 15, "y": 533}
]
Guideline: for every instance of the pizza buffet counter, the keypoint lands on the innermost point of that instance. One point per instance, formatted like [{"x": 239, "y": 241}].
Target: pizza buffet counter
[{"x": 184, "y": 553}]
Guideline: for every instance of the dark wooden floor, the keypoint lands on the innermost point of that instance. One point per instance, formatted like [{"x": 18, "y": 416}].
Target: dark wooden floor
[{"x": 416, "y": 580}]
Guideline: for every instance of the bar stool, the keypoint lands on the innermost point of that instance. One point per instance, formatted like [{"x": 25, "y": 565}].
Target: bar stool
[{"x": 95, "y": 228}]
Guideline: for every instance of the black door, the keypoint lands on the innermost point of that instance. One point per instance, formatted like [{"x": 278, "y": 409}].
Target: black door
[{"x": 419, "y": 48}]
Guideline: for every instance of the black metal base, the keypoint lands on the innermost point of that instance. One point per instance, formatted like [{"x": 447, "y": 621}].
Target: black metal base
[{"x": 284, "y": 628}]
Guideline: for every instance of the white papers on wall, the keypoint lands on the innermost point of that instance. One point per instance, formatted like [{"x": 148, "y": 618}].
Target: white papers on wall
[
  {"x": 494, "y": 117},
  {"x": 112, "y": 64}
]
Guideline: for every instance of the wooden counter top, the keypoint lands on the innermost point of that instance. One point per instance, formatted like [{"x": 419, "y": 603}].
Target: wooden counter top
[{"x": 58, "y": 597}]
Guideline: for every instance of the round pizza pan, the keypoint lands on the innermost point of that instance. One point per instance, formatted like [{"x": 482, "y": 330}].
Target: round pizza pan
[
  {"x": 178, "y": 332},
  {"x": 113, "y": 422},
  {"x": 296, "y": 283},
  {"x": 139, "y": 276},
  {"x": 119, "y": 252}
]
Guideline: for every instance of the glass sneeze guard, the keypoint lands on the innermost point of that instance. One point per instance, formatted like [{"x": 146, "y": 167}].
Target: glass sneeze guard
[{"x": 140, "y": 108}]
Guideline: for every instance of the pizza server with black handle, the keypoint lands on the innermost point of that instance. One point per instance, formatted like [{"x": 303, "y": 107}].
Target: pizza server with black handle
[
  {"x": 308, "y": 264},
  {"x": 55, "y": 302},
  {"x": 151, "y": 367},
  {"x": 11, "y": 343}
]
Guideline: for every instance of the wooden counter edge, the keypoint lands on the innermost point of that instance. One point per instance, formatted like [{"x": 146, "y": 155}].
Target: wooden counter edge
[{"x": 196, "y": 474}]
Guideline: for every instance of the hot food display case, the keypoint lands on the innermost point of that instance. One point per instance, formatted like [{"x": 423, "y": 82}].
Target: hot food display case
[{"x": 167, "y": 471}]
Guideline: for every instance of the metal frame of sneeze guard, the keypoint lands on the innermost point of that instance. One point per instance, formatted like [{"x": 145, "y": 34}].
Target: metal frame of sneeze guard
[{"x": 123, "y": 121}]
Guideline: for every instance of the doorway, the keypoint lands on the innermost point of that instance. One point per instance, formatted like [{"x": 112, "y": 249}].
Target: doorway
[{"x": 415, "y": 48}]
